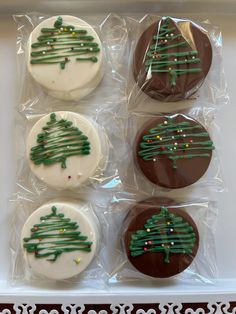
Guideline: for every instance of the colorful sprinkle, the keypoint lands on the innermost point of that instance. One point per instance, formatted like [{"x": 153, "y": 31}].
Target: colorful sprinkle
[{"x": 77, "y": 261}]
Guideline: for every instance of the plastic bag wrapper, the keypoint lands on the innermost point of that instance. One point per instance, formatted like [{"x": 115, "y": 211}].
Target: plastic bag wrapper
[
  {"x": 203, "y": 267},
  {"x": 112, "y": 31},
  {"x": 132, "y": 171},
  {"x": 22, "y": 207},
  {"x": 105, "y": 176},
  {"x": 171, "y": 63}
]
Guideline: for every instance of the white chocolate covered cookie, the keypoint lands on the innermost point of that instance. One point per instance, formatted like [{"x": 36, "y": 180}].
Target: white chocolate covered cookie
[
  {"x": 64, "y": 149},
  {"x": 64, "y": 55},
  {"x": 60, "y": 239}
]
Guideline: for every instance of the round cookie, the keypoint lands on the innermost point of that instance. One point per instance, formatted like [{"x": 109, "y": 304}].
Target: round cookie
[
  {"x": 65, "y": 56},
  {"x": 172, "y": 59},
  {"x": 173, "y": 151},
  {"x": 64, "y": 149},
  {"x": 60, "y": 239},
  {"x": 160, "y": 239}
]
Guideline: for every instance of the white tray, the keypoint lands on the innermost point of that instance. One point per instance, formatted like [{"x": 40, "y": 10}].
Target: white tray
[{"x": 129, "y": 298}]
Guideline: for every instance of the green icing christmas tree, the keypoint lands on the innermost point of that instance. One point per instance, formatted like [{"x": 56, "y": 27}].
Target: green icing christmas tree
[
  {"x": 175, "y": 140},
  {"x": 55, "y": 235},
  {"x": 62, "y": 42},
  {"x": 59, "y": 141},
  {"x": 160, "y": 60},
  {"x": 164, "y": 233}
]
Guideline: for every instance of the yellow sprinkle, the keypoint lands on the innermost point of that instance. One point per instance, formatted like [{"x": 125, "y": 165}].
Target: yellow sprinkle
[
  {"x": 148, "y": 230},
  {"x": 186, "y": 145},
  {"x": 158, "y": 136},
  {"x": 73, "y": 33},
  {"x": 77, "y": 261},
  {"x": 62, "y": 230},
  {"x": 168, "y": 223}
]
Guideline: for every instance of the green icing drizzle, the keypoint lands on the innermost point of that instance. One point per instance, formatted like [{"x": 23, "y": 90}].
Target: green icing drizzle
[
  {"x": 58, "y": 141},
  {"x": 59, "y": 43},
  {"x": 176, "y": 141},
  {"x": 158, "y": 60},
  {"x": 164, "y": 233},
  {"x": 61, "y": 235}
]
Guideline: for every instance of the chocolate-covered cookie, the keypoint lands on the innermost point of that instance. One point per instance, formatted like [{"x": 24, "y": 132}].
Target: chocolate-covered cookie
[
  {"x": 160, "y": 238},
  {"x": 172, "y": 59},
  {"x": 173, "y": 151}
]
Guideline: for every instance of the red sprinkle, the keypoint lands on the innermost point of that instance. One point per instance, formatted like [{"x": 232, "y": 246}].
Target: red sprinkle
[
  {"x": 145, "y": 249},
  {"x": 149, "y": 242},
  {"x": 191, "y": 141},
  {"x": 163, "y": 147},
  {"x": 36, "y": 228},
  {"x": 66, "y": 59},
  {"x": 40, "y": 239}
]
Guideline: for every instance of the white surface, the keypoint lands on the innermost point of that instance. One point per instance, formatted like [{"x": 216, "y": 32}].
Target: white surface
[
  {"x": 64, "y": 267},
  {"x": 79, "y": 78},
  {"x": 224, "y": 288},
  {"x": 78, "y": 168}
]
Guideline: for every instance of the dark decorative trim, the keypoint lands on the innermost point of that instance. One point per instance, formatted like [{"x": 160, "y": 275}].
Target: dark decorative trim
[{"x": 149, "y": 308}]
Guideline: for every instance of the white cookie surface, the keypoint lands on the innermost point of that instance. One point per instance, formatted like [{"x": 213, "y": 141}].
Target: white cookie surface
[
  {"x": 67, "y": 264},
  {"x": 78, "y": 78},
  {"x": 79, "y": 168}
]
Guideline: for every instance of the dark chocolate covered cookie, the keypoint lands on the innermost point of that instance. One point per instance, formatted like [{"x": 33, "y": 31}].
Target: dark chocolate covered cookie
[
  {"x": 173, "y": 151},
  {"x": 172, "y": 59},
  {"x": 160, "y": 238}
]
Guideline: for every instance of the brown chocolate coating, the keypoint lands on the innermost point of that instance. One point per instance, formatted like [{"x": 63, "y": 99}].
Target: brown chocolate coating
[
  {"x": 161, "y": 171},
  {"x": 158, "y": 86},
  {"x": 152, "y": 264}
]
